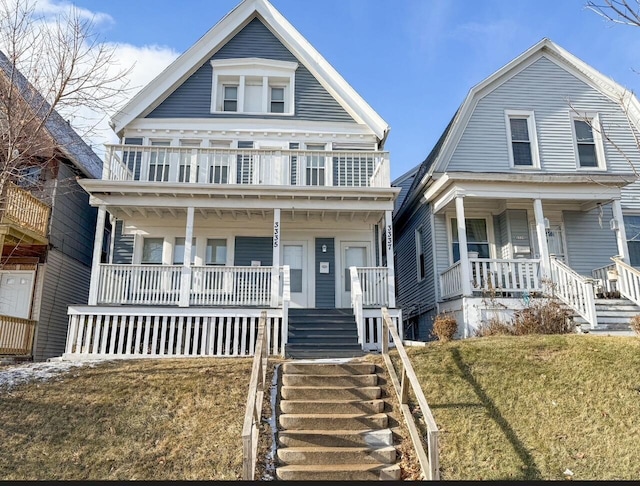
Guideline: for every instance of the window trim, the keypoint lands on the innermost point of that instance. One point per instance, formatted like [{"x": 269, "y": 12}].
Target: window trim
[
  {"x": 593, "y": 119},
  {"x": 279, "y": 74},
  {"x": 490, "y": 233},
  {"x": 206, "y": 246},
  {"x": 533, "y": 138}
]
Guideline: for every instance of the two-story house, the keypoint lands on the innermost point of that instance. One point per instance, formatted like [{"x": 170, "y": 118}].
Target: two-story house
[
  {"x": 524, "y": 194},
  {"x": 250, "y": 176},
  {"x": 46, "y": 226}
]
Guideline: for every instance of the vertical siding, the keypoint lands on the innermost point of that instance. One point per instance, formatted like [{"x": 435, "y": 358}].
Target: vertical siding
[
  {"x": 192, "y": 99},
  {"x": 415, "y": 298},
  {"x": 547, "y": 89},
  {"x": 122, "y": 245},
  {"x": 326, "y": 282},
  {"x": 589, "y": 245},
  {"x": 253, "y": 248},
  {"x": 66, "y": 282},
  {"x": 73, "y": 221}
]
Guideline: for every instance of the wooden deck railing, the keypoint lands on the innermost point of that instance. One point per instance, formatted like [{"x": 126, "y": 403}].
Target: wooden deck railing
[
  {"x": 16, "y": 336},
  {"x": 247, "y": 166},
  {"x": 253, "y": 411},
  {"x": 25, "y": 210},
  {"x": 429, "y": 461}
]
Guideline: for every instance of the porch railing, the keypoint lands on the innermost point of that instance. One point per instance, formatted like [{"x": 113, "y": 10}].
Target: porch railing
[
  {"x": 429, "y": 461},
  {"x": 374, "y": 283},
  {"x": 25, "y": 210},
  {"x": 504, "y": 275},
  {"x": 603, "y": 276},
  {"x": 16, "y": 336},
  {"x": 253, "y": 411},
  {"x": 160, "y": 285},
  {"x": 628, "y": 280},
  {"x": 574, "y": 290},
  {"x": 247, "y": 166},
  {"x": 356, "y": 303}
]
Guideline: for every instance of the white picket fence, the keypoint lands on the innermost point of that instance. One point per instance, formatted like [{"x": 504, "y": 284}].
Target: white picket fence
[{"x": 137, "y": 332}]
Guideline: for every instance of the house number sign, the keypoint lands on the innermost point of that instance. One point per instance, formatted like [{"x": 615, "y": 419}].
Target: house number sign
[
  {"x": 276, "y": 234},
  {"x": 389, "y": 238}
]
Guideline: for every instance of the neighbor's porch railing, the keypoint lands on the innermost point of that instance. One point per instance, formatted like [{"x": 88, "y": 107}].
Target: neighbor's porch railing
[
  {"x": 628, "y": 280},
  {"x": 603, "y": 276},
  {"x": 161, "y": 284},
  {"x": 16, "y": 336},
  {"x": 253, "y": 411},
  {"x": 25, "y": 210},
  {"x": 247, "y": 166},
  {"x": 505, "y": 275},
  {"x": 574, "y": 290},
  {"x": 429, "y": 462}
]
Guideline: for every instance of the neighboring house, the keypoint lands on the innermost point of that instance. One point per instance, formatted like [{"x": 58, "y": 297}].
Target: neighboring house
[
  {"x": 46, "y": 232},
  {"x": 527, "y": 185},
  {"x": 250, "y": 176}
]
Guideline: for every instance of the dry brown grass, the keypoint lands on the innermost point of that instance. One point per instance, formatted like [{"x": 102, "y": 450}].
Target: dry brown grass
[{"x": 178, "y": 419}]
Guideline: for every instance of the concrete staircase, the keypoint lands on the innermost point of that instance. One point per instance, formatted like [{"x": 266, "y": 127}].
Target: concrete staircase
[
  {"x": 613, "y": 317},
  {"x": 322, "y": 333},
  {"x": 332, "y": 423}
]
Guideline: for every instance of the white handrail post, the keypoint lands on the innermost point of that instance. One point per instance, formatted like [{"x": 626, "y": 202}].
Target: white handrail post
[
  {"x": 541, "y": 232},
  {"x": 621, "y": 234},
  {"x": 465, "y": 270},
  {"x": 97, "y": 254}
]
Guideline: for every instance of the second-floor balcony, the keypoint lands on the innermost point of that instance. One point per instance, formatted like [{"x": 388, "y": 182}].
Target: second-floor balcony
[
  {"x": 24, "y": 214},
  {"x": 247, "y": 166}
]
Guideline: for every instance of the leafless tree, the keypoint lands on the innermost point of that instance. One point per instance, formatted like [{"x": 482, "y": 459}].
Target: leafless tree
[{"x": 618, "y": 11}]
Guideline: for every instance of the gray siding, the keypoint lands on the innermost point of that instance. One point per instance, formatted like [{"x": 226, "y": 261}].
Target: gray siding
[
  {"x": 122, "y": 246},
  {"x": 548, "y": 90},
  {"x": 441, "y": 250},
  {"x": 252, "y": 248},
  {"x": 500, "y": 229},
  {"x": 415, "y": 298},
  {"x": 66, "y": 282},
  {"x": 73, "y": 221},
  {"x": 519, "y": 231},
  {"x": 325, "y": 282},
  {"x": 589, "y": 245},
  {"x": 192, "y": 99}
]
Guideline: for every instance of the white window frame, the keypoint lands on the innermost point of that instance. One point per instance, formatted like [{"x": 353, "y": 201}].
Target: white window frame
[
  {"x": 593, "y": 119},
  {"x": 490, "y": 233},
  {"x": 278, "y": 74},
  {"x": 226, "y": 245},
  {"x": 533, "y": 138}
]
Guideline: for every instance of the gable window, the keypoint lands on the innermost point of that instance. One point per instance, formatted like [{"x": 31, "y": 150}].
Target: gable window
[
  {"x": 216, "y": 253},
  {"x": 521, "y": 135},
  {"x": 588, "y": 142},
  {"x": 420, "y": 254},
  {"x": 230, "y": 99},
  {"x": 477, "y": 238},
  {"x": 253, "y": 86},
  {"x": 152, "y": 251}
]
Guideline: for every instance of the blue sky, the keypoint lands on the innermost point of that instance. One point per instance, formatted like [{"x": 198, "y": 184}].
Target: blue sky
[{"x": 413, "y": 61}]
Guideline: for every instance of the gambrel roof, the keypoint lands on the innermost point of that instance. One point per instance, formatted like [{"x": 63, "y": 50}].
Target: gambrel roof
[
  {"x": 437, "y": 160},
  {"x": 187, "y": 63}
]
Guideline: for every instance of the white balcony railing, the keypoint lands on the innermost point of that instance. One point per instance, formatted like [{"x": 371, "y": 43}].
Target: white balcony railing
[
  {"x": 247, "y": 166},
  {"x": 374, "y": 286},
  {"x": 230, "y": 286}
]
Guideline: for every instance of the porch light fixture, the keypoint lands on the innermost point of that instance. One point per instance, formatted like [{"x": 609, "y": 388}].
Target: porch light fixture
[
  {"x": 547, "y": 225},
  {"x": 613, "y": 224},
  {"x": 324, "y": 248}
]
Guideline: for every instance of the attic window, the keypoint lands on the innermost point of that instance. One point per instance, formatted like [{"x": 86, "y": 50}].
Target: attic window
[
  {"x": 253, "y": 86},
  {"x": 588, "y": 141},
  {"x": 521, "y": 135}
]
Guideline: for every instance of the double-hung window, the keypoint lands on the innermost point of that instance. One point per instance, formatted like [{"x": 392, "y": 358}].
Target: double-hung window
[
  {"x": 522, "y": 139},
  {"x": 186, "y": 157},
  {"x": 178, "y": 251},
  {"x": 230, "y": 98},
  {"x": 277, "y": 99},
  {"x": 588, "y": 141},
  {"x": 159, "y": 161},
  {"x": 216, "y": 253},
  {"x": 477, "y": 237},
  {"x": 316, "y": 162},
  {"x": 152, "y": 251}
]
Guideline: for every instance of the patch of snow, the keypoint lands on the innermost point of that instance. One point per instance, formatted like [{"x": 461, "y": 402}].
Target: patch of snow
[{"x": 13, "y": 375}]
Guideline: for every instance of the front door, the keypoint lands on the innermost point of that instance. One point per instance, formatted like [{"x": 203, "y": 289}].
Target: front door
[
  {"x": 353, "y": 255},
  {"x": 16, "y": 289},
  {"x": 294, "y": 254}
]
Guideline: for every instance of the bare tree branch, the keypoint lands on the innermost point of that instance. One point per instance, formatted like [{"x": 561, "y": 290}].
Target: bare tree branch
[{"x": 617, "y": 11}]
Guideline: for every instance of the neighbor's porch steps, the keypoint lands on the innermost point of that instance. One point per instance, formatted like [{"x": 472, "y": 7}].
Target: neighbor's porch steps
[
  {"x": 613, "y": 316},
  {"x": 332, "y": 424}
]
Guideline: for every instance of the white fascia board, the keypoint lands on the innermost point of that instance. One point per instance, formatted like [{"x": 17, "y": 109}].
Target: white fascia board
[
  {"x": 207, "y": 126},
  {"x": 186, "y": 64}
]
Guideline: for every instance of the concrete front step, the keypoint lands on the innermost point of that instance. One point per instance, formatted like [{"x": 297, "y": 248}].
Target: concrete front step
[
  {"x": 336, "y": 438},
  {"x": 337, "y": 455},
  {"x": 335, "y": 392},
  {"x": 332, "y": 406},
  {"x": 333, "y": 421},
  {"x": 340, "y": 472},
  {"x": 329, "y": 380},
  {"x": 322, "y": 353},
  {"x": 328, "y": 368}
]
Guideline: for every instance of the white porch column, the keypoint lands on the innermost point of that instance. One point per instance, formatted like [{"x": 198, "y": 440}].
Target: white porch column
[
  {"x": 275, "y": 269},
  {"x": 465, "y": 267},
  {"x": 621, "y": 233},
  {"x": 391, "y": 273},
  {"x": 541, "y": 232},
  {"x": 97, "y": 253},
  {"x": 185, "y": 278}
]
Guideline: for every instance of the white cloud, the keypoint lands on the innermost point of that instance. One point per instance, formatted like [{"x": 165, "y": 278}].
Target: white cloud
[{"x": 49, "y": 8}]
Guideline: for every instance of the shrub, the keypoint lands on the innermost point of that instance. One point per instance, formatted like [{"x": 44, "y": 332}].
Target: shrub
[
  {"x": 494, "y": 327},
  {"x": 543, "y": 316},
  {"x": 444, "y": 327},
  {"x": 635, "y": 323}
]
